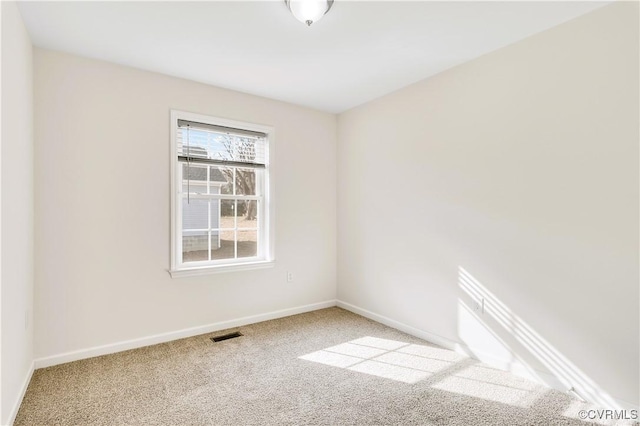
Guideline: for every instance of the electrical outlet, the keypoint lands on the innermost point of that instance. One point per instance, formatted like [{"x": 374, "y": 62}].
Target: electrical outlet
[{"x": 289, "y": 276}]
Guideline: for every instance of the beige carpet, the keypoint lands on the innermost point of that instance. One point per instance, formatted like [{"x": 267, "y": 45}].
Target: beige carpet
[{"x": 324, "y": 367}]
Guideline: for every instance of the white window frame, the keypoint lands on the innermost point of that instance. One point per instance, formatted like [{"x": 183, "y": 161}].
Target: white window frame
[{"x": 266, "y": 234}]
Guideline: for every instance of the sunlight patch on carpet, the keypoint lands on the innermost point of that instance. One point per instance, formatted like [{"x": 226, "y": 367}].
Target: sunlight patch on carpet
[
  {"x": 491, "y": 385},
  {"x": 389, "y": 359},
  {"x": 332, "y": 359},
  {"x": 390, "y": 371}
]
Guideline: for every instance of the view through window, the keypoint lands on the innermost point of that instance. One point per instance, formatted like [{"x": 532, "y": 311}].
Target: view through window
[{"x": 221, "y": 176}]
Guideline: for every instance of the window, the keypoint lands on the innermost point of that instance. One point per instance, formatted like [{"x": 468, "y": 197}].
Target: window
[{"x": 221, "y": 209}]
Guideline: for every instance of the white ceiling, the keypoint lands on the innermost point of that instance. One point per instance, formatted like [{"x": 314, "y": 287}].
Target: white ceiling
[{"x": 357, "y": 52}]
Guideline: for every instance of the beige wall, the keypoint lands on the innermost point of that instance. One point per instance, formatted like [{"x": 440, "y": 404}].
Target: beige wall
[
  {"x": 102, "y": 158},
  {"x": 16, "y": 291},
  {"x": 515, "y": 174}
]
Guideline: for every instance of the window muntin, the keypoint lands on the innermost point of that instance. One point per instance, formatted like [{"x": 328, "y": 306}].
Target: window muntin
[{"x": 221, "y": 202}]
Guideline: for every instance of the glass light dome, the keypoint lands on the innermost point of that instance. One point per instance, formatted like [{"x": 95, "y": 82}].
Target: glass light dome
[{"x": 309, "y": 11}]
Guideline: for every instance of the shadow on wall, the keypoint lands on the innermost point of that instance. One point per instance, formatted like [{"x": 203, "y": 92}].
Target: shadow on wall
[{"x": 485, "y": 324}]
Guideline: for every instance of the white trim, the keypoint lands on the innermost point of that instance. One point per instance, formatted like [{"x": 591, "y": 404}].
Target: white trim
[
  {"x": 429, "y": 337},
  {"x": 518, "y": 369},
  {"x": 173, "y": 125},
  {"x": 269, "y": 204},
  {"x": 174, "y": 335},
  {"x": 23, "y": 391},
  {"x": 206, "y": 270}
]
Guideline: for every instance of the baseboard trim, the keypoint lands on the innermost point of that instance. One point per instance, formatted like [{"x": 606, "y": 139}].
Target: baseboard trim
[
  {"x": 174, "y": 335},
  {"x": 429, "y": 337},
  {"x": 23, "y": 391},
  {"x": 542, "y": 377}
]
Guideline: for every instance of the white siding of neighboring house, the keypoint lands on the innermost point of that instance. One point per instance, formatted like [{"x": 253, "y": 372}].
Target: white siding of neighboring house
[{"x": 194, "y": 216}]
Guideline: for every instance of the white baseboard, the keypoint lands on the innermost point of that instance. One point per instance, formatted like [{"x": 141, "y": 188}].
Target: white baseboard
[
  {"x": 23, "y": 391},
  {"x": 174, "y": 335},
  {"x": 541, "y": 377},
  {"x": 424, "y": 335}
]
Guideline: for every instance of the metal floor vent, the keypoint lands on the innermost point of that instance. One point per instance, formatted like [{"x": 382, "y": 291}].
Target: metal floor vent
[{"x": 226, "y": 336}]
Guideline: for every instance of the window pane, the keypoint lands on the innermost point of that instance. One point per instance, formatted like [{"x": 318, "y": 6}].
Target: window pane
[
  {"x": 247, "y": 181},
  {"x": 227, "y": 219},
  {"x": 215, "y": 207},
  {"x": 221, "y": 180},
  {"x": 194, "y": 178},
  {"x": 247, "y": 243},
  {"x": 224, "y": 247},
  {"x": 248, "y": 210},
  {"x": 194, "y": 246},
  {"x": 194, "y": 214},
  {"x": 216, "y": 239}
]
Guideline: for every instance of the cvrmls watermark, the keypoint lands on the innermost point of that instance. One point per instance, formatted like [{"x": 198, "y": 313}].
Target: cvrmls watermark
[{"x": 608, "y": 414}]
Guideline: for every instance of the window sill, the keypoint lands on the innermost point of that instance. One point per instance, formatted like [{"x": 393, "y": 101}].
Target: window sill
[{"x": 207, "y": 270}]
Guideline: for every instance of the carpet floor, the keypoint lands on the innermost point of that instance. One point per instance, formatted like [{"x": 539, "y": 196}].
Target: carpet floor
[{"x": 324, "y": 367}]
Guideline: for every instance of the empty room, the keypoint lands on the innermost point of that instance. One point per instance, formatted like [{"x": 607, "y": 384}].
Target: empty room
[{"x": 319, "y": 212}]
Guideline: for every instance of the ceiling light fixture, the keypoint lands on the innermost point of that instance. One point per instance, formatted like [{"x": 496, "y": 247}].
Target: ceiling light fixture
[{"x": 309, "y": 11}]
